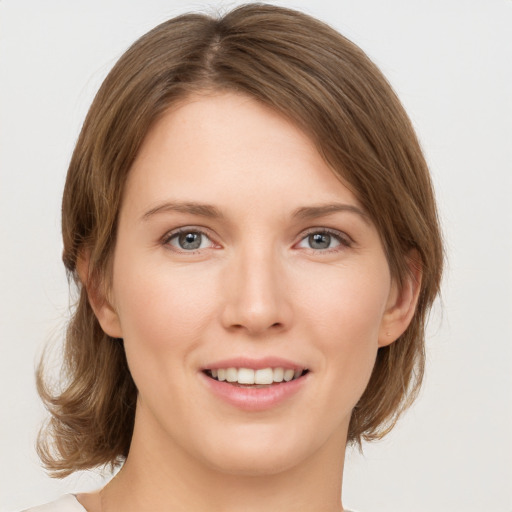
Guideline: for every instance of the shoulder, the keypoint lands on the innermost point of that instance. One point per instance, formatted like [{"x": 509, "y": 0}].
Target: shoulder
[{"x": 67, "y": 503}]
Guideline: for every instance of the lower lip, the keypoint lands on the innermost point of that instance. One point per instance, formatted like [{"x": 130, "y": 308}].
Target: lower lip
[{"x": 255, "y": 399}]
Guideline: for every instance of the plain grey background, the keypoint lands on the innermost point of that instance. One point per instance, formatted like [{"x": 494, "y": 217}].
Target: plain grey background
[{"x": 451, "y": 64}]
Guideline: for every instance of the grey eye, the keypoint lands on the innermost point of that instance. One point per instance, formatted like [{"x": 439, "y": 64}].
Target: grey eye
[
  {"x": 323, "y": 240},
  {"x": 319, "y": 240},
  {"x": 187, "y": 241},
  {"x": 190, "y": 241}
]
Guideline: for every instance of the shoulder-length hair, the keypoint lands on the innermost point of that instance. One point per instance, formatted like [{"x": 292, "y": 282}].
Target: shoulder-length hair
[{"x": 325, "y": 84}]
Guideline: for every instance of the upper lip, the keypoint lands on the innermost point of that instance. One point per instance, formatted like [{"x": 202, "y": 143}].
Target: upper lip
[{"x": 255, "y": 364}]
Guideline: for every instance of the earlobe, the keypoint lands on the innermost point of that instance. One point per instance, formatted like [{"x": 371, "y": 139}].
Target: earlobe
[
  {"x": 401, "y": 304},
  {"x": 100, "y": 303}
]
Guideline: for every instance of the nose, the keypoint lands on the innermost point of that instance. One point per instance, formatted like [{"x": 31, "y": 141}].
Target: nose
[{"x": 257, "y": 299}]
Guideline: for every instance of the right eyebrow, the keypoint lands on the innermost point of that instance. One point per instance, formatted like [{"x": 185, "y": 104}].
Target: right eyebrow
[
  {"x": 193, "y": 208},
  {"x": 315, "y": 211}
]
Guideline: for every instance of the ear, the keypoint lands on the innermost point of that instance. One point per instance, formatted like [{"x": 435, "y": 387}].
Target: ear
[
  {"x": 100, "y": 303},
  {"x": 401, "y": 303}
]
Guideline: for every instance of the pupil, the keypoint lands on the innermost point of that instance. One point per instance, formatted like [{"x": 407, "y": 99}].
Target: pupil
[
  {"x": 190, "y": 240},
  {"x": 319, "y": 241}
]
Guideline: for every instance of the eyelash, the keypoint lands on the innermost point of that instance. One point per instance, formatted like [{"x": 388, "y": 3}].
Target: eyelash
[
  {"x": 344, "y": 240},
  {"x": 185, "y": 230}
]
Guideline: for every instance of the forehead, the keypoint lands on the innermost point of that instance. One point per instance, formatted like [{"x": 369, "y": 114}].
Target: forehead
[{"x": 230, "y": 149}]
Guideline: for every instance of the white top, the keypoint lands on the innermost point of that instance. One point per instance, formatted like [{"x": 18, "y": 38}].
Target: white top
[{"x": 67, "y": 503}]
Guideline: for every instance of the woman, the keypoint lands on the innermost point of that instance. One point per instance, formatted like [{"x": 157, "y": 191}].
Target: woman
[{"x": 251, "y": 224}]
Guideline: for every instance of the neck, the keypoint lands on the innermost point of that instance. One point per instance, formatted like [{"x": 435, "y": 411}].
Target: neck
[{"x": 155, "y": 479}]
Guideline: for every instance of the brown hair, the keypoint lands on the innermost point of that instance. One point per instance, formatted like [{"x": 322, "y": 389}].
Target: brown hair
[{"x": 327, "y": 86}]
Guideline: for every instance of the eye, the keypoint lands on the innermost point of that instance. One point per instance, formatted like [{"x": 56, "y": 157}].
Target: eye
[
  {"x": 188, "y": 240},
  {"x": 324, "y": 240}
]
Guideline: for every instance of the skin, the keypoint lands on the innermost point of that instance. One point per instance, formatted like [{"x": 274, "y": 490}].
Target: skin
[{"x": 255, "y": 287}]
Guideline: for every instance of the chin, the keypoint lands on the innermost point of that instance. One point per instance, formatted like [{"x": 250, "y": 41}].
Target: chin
[
  {"x": 254, "y": 451},
  {"x": 253, "y": 465}
]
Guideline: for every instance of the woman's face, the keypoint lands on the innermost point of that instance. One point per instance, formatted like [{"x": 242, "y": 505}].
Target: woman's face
[{"x": 237, "y": 247}]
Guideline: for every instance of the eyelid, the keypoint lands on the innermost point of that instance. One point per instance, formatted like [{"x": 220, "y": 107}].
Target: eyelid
[
  {"x": 345, "y": 240},
  {"x": 187, "y": 229}
]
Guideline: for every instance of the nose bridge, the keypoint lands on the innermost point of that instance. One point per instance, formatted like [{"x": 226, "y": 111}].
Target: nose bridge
[{"x": 255, "y": 290}]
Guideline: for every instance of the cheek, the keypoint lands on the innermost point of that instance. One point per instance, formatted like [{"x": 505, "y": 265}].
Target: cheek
[
  {"x": 162, "y": 312},
  {"x": 346, "y": 304},
  {"x": 343, "y": 318}
]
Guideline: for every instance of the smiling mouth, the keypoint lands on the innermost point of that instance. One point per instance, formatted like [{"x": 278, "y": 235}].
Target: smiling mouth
[{"x": 261, "y": 378}]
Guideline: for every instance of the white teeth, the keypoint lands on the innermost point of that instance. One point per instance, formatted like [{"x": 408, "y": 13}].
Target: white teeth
[
  {"x": 278, "y": 374},
  {"x": 248, "y": 376},
  {"x": 288, "y": 375},
  {"x": 265, "y": 376},
  {"x": 231, "y": 374}
]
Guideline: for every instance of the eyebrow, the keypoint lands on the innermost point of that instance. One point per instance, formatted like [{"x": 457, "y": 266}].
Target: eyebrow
[
  {"x": 201, "y": 209},
  {"x": 210, "y": 211},
  {"x": 313, "y": 212}
]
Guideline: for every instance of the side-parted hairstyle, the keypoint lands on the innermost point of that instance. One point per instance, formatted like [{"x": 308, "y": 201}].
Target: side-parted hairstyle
[{"x": 328, "y": 87}]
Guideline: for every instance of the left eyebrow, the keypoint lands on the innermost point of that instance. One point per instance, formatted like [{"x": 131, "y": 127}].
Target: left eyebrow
[
  {"x": 315, "y": 211},
  {"x": 201, "y": 209}
]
